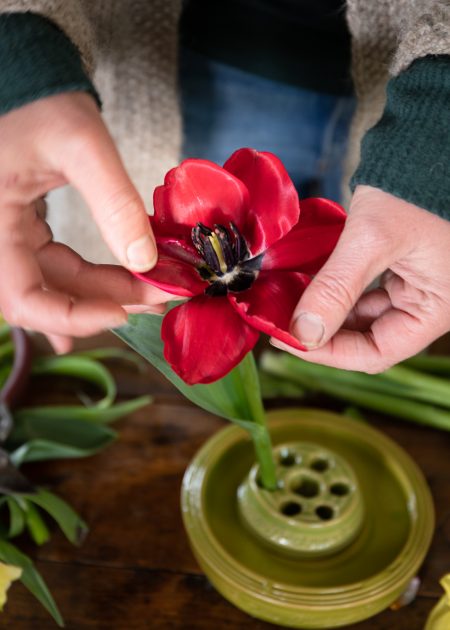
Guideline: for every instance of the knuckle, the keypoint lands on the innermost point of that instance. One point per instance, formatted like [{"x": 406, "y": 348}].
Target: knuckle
[
  {"x": 124, "y": 205},
  {"x": 12, "y": 313},
  {"x": 81, "y": 142},
  {"x": 377, "y": 367},
  {"x": 334, "y": 290}
]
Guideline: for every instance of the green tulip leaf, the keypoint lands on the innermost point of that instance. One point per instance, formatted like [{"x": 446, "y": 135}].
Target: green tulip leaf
[{"x": 233, "y": 397}]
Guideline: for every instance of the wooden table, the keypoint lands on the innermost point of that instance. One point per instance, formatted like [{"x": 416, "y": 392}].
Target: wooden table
[{"x": 135, "y": 570}]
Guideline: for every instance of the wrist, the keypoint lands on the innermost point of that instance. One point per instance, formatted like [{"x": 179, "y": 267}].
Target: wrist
[
  {"x": 37, "y": 60},
  {"x": 407, "y": 152}
]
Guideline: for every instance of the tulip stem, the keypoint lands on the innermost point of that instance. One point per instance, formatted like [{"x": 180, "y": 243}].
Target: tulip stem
[{"x": 260, "y": 433}]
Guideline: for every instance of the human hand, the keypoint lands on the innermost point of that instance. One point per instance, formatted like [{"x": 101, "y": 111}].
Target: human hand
[
  {"x": 46, "y": 286},
  {"x": 344, "y": 327}
]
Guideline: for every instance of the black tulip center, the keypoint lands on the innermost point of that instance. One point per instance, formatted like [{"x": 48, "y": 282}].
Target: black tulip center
[{"x": 228, "y": 265}]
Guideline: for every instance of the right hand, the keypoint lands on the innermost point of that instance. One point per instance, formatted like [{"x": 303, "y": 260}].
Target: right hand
[{"x": 46, "y": 286}]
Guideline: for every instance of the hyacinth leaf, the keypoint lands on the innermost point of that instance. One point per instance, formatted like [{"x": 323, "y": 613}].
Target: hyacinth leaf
[
  {"x": 233, "y": 397},
  {"x": 73, "y": 527},
  {"x": 83, "y": 368},
  {"x": 30, "y": 578}
]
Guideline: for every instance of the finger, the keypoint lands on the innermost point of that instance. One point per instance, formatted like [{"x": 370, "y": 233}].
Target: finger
[
  {"x": 30, "y": 223},
  {"x": 324, "y": 306},
  {"x": 393, "y": 337},
  {"x": 60, "y": 344},
  {"x": 368, "y": 308},
  {"x": 96, "y": 170},
  {"x": 24, "y": 302},
  {"x": 65, "y": 270},
  {"x": 40, "y": 206}
]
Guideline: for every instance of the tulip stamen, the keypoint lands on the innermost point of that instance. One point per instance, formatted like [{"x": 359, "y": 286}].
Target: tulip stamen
[{"x": 228, "y": 266}]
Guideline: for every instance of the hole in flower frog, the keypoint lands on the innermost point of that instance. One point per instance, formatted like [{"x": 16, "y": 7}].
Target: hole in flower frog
[
  {"x": 306, "y": 487},
  {"x": 320, "y": 464},
  {"x": 339, "y": 489},
  {"x": 291, "y": 508},
  {"x": 324, "y": 512}
]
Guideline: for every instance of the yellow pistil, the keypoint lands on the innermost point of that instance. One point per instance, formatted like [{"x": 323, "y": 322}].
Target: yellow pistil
[{"x": 215, "y": 242}]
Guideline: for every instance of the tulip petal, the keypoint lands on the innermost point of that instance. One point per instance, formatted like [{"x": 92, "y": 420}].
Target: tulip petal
[
  {"x": 269, "y": 304},
  {"x": 198, "y": 191},
  {"x": 308, "y": 245},
  {"x": 174, "y": 276},
  {"x": 274, "y": 206},
  {"x": 179, "y": 249},
  {"x": 205, "y": 338}
]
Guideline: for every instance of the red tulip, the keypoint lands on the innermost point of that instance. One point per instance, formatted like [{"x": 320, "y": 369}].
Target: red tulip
[{"x": 236, "y": 241}]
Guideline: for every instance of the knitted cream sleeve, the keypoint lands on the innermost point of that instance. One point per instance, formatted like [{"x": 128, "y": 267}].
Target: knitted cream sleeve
[
  {"x": 68, "y": 15},
  {"x": 425, "y": 30}
]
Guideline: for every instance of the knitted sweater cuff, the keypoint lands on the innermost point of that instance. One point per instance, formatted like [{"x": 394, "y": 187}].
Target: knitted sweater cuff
[
  {"x": 407, "y": 153},
  {"x": 37, "y": 60}
]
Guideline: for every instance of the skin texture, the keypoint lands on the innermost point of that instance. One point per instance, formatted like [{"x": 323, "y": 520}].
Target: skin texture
[
  {"x": 347, "y": 326},
  {"x": 46, "y": 286}
]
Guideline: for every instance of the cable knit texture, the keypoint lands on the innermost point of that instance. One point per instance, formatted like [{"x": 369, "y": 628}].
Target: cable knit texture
[
  {"x": 387, "y": 35},
  {"x": 69, "y": 16},
  {"x": 407, "y": 153},
  {"x": 133, "y": 46},
  {"x": 45, "y": 61},
  {"x": 136, "y": 77}
]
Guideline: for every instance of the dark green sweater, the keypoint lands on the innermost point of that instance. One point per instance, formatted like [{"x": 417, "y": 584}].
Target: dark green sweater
[{"x": 407, "y": 153}]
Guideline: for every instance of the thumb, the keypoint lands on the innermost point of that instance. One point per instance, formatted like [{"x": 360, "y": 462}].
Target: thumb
[
  {"x": 97, "y": 172},
  {"x": 324, "y": 306}
]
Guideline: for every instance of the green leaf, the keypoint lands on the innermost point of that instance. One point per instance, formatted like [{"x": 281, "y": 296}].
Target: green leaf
[
  {"x": 30, "y": 578},
  {"x": 48, "y": 438},
  {"x": 83, "y": 368},
  {"x": 232, "y": 397},
  {"x": 5, "y": 330},
  {"x": 273, "y": 387},
  {"x": 115, "y": 354},
  {"x": 43, "y": 450},
  {"x": 76, "y": 413},
  {"x": 35, "y": 525},
  {"x": 6, "y": 350},
  {"x": 16, "y": 517},
  {"x": 236, "y": 396},
  {"x": 4, "y": 373},
  {"x": 71, "y": 524}
]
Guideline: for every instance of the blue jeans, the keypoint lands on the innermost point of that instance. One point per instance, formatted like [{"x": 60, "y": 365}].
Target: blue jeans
[{"x": 225, "y": 108}]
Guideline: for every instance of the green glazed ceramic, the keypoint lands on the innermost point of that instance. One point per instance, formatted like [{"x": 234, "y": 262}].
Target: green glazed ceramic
[
  {"x": 317, "y": 508},
  {"x": 382, "y": 503},
  {"x": 439, "y": 618}
]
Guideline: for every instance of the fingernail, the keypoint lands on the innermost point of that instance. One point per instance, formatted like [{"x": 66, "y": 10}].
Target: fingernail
[
  {"x": 309, "y": 330},
  {"x": 141, "y": 254}
]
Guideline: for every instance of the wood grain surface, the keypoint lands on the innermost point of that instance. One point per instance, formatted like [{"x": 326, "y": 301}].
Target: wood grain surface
[{"x": 135, "y": 570}]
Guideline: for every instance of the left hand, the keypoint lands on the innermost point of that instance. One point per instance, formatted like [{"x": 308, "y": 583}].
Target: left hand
[{"x": 345, "y": 326}]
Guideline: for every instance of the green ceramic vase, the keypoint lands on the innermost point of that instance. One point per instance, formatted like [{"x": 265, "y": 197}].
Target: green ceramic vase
[{"x": 336, "y": 543}]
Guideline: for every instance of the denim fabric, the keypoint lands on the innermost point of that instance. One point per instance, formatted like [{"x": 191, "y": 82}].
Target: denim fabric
[{"x": 225, "y": 108}]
